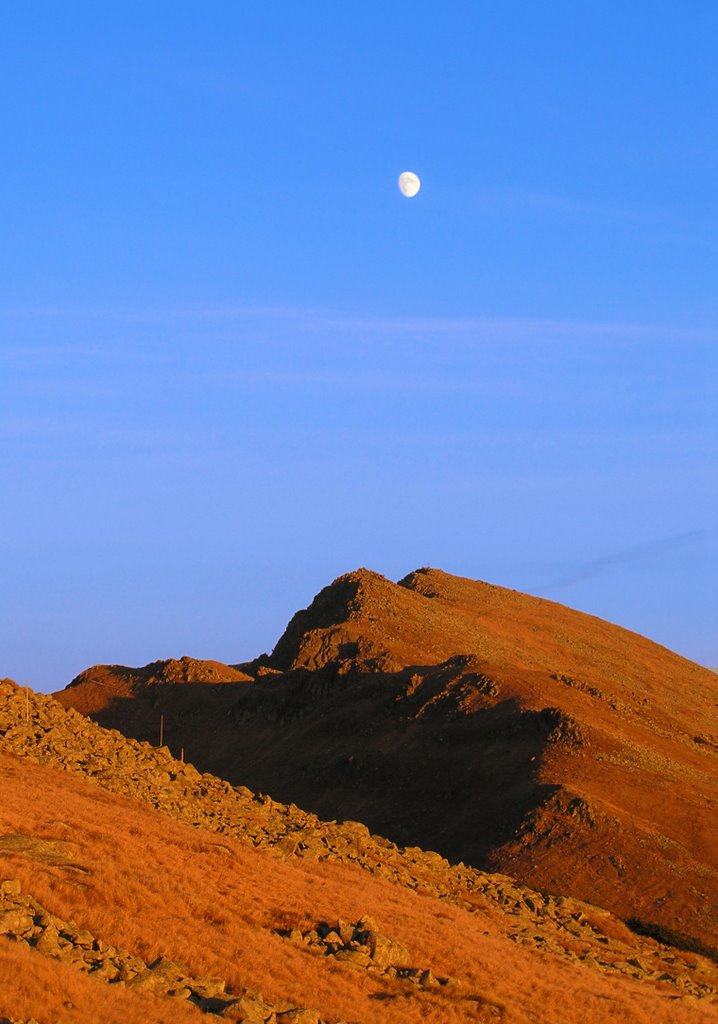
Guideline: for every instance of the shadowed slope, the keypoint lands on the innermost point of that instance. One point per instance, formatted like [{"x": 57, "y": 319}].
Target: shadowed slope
[
  {"x": 218, "y": 910},
  {"x": 501, "y": 729}
]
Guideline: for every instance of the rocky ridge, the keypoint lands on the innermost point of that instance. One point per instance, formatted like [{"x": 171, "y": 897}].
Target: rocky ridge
[
  {"x": 36, "y": 727},
  {"x": 502, "y": 730}
]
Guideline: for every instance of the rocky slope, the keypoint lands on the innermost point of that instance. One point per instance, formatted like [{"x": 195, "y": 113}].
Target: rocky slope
[
  {"x": 24, "y": 920},
  {"x": 212, "y": 923},
  {"x": 502, "y": 730}
]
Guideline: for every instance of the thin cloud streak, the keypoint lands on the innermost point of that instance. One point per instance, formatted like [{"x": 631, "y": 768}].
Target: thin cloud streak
[
  {"x": 588, "y": 570},
  {"x": 528, "y": 328},
  {"x": 515, "y": 327},
  {"x": 499, "y": 202},
  {"x": 357, "y": 382}
]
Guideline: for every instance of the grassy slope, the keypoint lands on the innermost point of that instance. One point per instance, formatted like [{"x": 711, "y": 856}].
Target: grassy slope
[{"x": 159, "y": 887}]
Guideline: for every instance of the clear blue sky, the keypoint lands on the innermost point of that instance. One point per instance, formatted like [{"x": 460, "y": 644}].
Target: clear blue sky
[{"x": 235, "y": 362}]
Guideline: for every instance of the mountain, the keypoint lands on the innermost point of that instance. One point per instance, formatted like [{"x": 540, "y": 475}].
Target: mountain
[
  {"x": 134, "y": 888},
  {"x": 504, "y": 731}
]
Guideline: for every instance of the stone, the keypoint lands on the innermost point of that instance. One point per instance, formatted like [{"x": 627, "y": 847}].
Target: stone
[
  {"x": 353, "y": 957},
  {"x": 49, "y": 942},
  {"x": 346, "y": 930},
  {"x": 298, "y": 1016},
  {"x": 248, "y": 1010},
  {"x": 427, "y": 980},
  {"x": 15, "y": 922},
  {"x": 288, "y": 845}
]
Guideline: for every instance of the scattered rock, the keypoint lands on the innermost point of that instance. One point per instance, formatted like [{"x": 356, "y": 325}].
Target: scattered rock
[
  {"x": 362, "y": 945},
  {"x": 22, "y": 919}
]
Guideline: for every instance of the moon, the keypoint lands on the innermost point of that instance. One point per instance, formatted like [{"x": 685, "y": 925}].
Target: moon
[{"x": 409, "y": 184}]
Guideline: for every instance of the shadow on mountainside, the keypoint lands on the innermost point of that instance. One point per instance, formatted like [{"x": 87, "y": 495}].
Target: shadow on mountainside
[{"x": 449, "y": 769}]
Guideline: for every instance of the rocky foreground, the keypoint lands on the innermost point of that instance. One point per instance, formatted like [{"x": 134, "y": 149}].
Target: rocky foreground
[
  {"x": 24, "y": 920},
  {"x": 360, "y": 945},
  {"x": 36, "y": 729}
]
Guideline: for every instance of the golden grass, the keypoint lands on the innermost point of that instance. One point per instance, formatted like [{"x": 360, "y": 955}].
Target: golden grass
[
  {"x": 158, "y": 887},
  {"x": 34, "y": 986}
]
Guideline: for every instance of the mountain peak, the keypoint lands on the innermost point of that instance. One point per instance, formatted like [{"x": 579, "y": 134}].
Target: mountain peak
[
  {"x": 498, "y": 728},
  {"x": 322, "y": 631}
]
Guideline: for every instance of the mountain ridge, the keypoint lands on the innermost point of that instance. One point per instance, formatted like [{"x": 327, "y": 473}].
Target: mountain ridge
[{"x": 504, "y": 730}]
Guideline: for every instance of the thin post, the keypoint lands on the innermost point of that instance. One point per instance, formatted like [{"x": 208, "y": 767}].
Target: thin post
[
  {"x": 162, "y": 729},
  {"x": 182, "y": 755},
  {"x": 27, "y": 702}
]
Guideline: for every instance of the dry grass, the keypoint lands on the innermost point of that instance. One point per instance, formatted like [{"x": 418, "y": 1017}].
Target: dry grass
[
  {"x": 34, "y": 986},
  {"x": 157, "y": 887}
]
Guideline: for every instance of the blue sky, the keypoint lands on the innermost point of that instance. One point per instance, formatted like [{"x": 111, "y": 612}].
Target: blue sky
[{"x": 236, "y": 362}]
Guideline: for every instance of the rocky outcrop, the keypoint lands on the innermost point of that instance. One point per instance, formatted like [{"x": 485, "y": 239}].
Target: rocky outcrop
[
  {"x": 99, "y": 685},
  {"x": 363, "y": 946}
]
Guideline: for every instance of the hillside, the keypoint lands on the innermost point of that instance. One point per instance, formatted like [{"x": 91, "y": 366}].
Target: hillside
[
  {"x": 502, "y": 730},
  {"x": 133, "y": 888}
]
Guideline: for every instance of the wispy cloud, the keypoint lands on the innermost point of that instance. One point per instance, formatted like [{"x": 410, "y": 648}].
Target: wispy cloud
[
  {"x": 537, "y": 328},
  {"x": 587, "y": 570},
  {"x": 528, "y": 328},
  {"x": 578, "y": 209},
  {"x": 524, "y": 328},
  {"x": 354, "y": 380}
]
